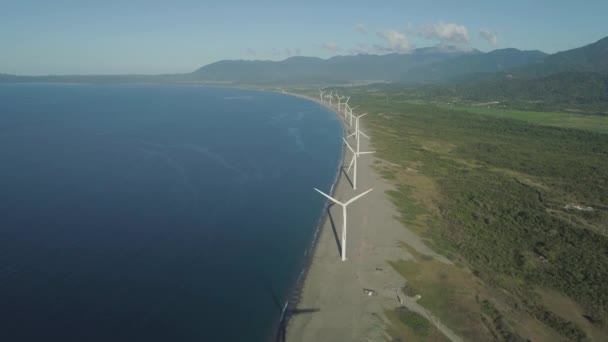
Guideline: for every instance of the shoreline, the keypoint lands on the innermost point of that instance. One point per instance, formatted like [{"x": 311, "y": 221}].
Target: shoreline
[
  {"x": 294, "y": 298},
  {"x": 348, "y": 301}
]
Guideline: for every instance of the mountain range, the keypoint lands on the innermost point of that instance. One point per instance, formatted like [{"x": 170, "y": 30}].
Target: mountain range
[{"x": 423, "y": 65}]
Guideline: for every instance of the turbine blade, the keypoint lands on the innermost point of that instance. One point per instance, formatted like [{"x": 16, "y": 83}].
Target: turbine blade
[
  {"x": 357, "y": 197},
  {"x": 350, "y": 148},
  {"x": 362, "y": 115},
  {"x": 329, "y": 197},
  {"x": 351, "y": 164},
  {"x": 369, "y": 152},
  {"x": 363, "y": 134},
  {"x": 352, "y": 134}
]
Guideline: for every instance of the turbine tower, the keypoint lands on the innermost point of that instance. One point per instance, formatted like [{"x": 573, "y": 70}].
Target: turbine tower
[
  {"x": 344, "y": 205},
  {"x": 345, "y": 105},
  {"x": 351, "y": 116},
  {"x": 353, "y": 162},
  {"x": 330, "y": 97},
  {"x": 357, "y": 131},
  {"x": 346, "y": 111},
  {"x": 339, "y": 100}
]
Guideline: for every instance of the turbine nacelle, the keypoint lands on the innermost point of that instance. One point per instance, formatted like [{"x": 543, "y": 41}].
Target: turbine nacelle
[{"x": 356, "y": 154}]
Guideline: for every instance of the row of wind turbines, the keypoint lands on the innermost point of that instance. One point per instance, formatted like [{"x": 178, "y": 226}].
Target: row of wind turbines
[{"x": 347, "y": 112}]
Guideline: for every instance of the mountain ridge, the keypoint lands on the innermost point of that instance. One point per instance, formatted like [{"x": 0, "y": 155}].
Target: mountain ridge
[
  {"x": 426, "y": 65},
  {"x": 342, "y": 68}
]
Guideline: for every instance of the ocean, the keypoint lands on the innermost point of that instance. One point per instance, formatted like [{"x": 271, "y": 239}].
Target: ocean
[{"x": 156, "y": 212}]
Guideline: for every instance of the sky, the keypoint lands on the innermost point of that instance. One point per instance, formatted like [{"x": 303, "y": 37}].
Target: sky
[{"x": 155, "y": 37}]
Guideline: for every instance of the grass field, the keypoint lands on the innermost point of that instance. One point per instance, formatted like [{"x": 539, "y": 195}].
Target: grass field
[
  {"x": 499, "y": 195},
  {"x": 409, "y": 326},
  {"x": 593, "y": 123}
]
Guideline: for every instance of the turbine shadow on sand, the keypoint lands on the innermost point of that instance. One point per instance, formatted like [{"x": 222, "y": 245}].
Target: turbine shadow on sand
[
  {"x": 293, "y": 299},
  {"x": 345, "y": 172},
  {"x": 333, "y": 228}
]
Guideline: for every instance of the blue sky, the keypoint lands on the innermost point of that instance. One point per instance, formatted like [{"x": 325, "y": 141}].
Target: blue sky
[{"x": 113, "y": 37}]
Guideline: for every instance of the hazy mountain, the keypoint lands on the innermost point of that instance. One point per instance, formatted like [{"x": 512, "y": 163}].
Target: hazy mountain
[
  {"x": 589, "y": 58},
  {"x": 491, "y": 62},
  {"x": 336, "y": 69},
  {"x": 423, "y": 65}
]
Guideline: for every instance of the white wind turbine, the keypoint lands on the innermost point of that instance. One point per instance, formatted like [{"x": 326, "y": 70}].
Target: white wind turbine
[
  {"x": 345, "y": 105},
  {"x": 344, "y": 205},
  {"x": 339, "y": 100},
  {"x": 321, "y": 94},
  {"x": 356, "y": 154},
  {"x": 357, "y": 131},
  {"x": 330, "y": 97},
  {"x": 351, "y": 115}
]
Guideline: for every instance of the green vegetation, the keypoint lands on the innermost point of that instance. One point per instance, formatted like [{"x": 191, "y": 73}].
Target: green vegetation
[
  {"x": 572, "y": 92},
  {"x": 495, "y": 321},
  {"x": 508, "y": 193},
  {"x": 413, "y": 320},
  {"x": 594, "y": 123},
  {"x": 446, "y": 289},
  {"x": 406, "y": 325},
  {"x": 568, "y": 91}
]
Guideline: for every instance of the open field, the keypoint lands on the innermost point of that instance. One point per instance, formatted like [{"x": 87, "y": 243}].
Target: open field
[
  {"x": 593, "y": 123},
  {"x": 514, "y": 201}
]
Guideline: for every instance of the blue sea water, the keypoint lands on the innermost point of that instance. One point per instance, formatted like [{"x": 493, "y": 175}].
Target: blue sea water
[{"x": 155, "y": 212}]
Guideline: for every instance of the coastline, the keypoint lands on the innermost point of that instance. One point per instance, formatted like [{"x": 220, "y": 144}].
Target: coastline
[
  {"x": 331, "y": 300},
  {"x": 295, "y": 293}
]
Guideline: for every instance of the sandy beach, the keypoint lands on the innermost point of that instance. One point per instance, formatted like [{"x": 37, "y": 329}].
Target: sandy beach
[{"x": 333, "y": 305}]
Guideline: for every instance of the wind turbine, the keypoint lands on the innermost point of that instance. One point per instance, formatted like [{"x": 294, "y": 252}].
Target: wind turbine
[
  {"x": 339, "y": 100},
  {"x": 345, "y": 105},
  {"x": 345, "y": 111},
  {"x": 330, "y": 97},
  {"x": 321, "y": 94},
  {"x": 357, "y": 131},
  {"x": 351, "y": 115},
  {"x": 344, "y": 205},
  {"x": 356, "y": 155}
]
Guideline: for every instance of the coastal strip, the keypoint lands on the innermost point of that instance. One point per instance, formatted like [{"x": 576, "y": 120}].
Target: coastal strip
[
  {"x": 290, "y": 306},
  {"x": 332, "y": 300}
]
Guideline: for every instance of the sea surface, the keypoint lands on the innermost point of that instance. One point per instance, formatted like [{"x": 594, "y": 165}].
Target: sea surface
[{"x": 156, "y": 212}]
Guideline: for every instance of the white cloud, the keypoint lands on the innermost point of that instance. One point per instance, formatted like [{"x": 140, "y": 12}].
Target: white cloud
[
  {"x": 331, "y": 46},
  {"x": 363, "y": 49},
  {"x": 397, "y": 42},
  {"x": 361, "y": 28},
  {"x": 380, "y": 48},
  {"x": 284, "y": 52},
  {"x": 489, "y": 35},
  {"x": 446, "y": 33},
  {"x": 276, "y": 52}
]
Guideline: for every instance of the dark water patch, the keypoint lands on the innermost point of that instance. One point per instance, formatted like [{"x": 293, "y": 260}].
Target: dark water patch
[{"x": 157, "y": 213}]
